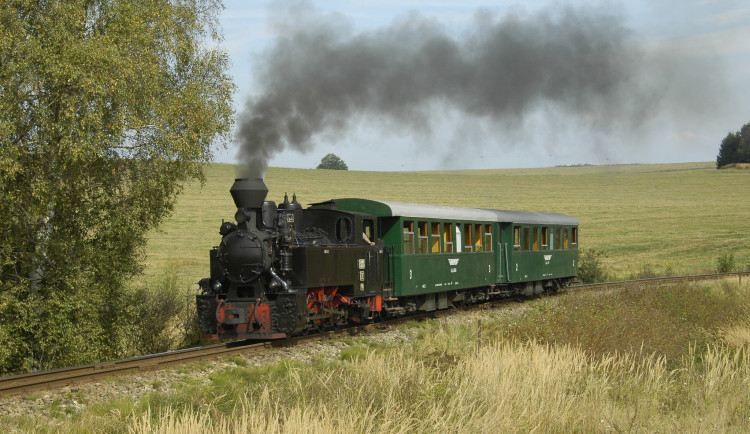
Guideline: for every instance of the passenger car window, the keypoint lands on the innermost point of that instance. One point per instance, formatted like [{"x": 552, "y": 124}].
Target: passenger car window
[
  {"x": 408, "y": 237},
  {"x": 478, "y": 238},
  {"x": 423, "y": 237},
  {"x": 526, "y": 239},
  {"x": 467, "y": 237},
  {"x": 435, "y": 238},
  {"x": 448, "y": 237}
]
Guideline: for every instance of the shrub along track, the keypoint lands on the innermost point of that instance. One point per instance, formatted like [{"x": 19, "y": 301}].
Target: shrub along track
[{"x": 24, "y": 384}]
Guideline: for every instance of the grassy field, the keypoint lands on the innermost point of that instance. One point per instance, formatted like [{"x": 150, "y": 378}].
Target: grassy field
[{"x": 647, "y": 219}]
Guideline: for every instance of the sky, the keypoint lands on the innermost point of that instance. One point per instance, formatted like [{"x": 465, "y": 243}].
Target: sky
[{"x": 441, "y": 85}]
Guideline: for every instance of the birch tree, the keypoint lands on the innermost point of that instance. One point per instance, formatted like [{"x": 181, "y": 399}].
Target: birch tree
[{"x": 106, "y": 108}]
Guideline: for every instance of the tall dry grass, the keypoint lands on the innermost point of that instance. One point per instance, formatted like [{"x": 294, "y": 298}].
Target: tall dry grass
[
  {"x": 504, "y": 387},
  {"x": 590, "y": 362},
  {"x": 518, "y": 380}
]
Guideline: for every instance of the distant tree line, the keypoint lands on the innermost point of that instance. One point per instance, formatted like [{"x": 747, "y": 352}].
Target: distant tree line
[{"x": 735, "y": 148}]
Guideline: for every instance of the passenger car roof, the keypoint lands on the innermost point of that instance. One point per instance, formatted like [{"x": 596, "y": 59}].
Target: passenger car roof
[{"x": 387, "y": 208}]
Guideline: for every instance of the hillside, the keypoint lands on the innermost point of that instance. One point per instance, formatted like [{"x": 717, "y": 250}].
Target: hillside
[{"x": 669, "y": 218}]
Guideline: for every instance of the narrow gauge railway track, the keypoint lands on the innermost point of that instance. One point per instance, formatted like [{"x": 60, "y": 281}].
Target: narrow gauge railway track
[
  {"x": 660, "y": 281},
  {"x": 43, "y": 380},
  {"x": 25, "y": 383}
]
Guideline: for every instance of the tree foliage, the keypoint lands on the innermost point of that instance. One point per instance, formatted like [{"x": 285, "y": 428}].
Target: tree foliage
[
  {"x": 106, "y": 108},
  {"x": 735, "y": 148},
  {"x": 333, "y": 162},
  {"x": 591, "y": 267},
  {"x": 725, "y": 263}
]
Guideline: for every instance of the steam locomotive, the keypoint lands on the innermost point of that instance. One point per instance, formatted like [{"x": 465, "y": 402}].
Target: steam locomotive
[{"x": 281, "y": 271}]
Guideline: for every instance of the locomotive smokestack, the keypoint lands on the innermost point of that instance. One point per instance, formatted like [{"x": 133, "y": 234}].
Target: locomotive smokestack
[{"x": 249, "y": 193}]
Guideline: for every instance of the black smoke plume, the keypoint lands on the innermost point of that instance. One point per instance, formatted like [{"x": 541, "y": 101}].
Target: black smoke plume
[{"x": 319, "y": 76}]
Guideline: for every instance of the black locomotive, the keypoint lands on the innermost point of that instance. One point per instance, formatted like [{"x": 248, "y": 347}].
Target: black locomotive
[{"x": 281, "y": 270}]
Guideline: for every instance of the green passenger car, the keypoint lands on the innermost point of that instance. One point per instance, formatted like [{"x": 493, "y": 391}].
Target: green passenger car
[{"x": 441, "y": 249}]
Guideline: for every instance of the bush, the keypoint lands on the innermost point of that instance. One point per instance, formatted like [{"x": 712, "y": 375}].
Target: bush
[
  {"x": 725, "y": 263},
  {"x": 590, "y": 266},
  {"x": 163, "y": 318}
]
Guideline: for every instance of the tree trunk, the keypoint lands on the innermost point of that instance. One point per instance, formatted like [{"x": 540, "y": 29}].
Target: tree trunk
[{"x": 39, "y": 261}]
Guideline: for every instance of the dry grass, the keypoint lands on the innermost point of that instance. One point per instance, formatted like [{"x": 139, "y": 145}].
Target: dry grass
[
  {"x": 504, "y": 388},
  {"x": 740, "y": 166},
  {"x": 537, "y": 370},
  {"x": 640, "y": 321},
  {"x": 736, "y": 336}
]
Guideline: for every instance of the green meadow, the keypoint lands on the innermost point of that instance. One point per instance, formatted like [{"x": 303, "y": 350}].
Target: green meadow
[{"x": 647, "y": 219}]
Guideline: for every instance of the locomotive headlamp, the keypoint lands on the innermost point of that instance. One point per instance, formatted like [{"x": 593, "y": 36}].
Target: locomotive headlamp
[{"x": 216, "y": 286}]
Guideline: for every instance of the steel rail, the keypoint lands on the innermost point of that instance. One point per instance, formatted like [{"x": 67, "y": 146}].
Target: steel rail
[
  {"x": 41, "y": 380},
  {"x": 33, "y": 381},
  {"x": 25, "y": 383},
  {"x": 660, "y": 280}
]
